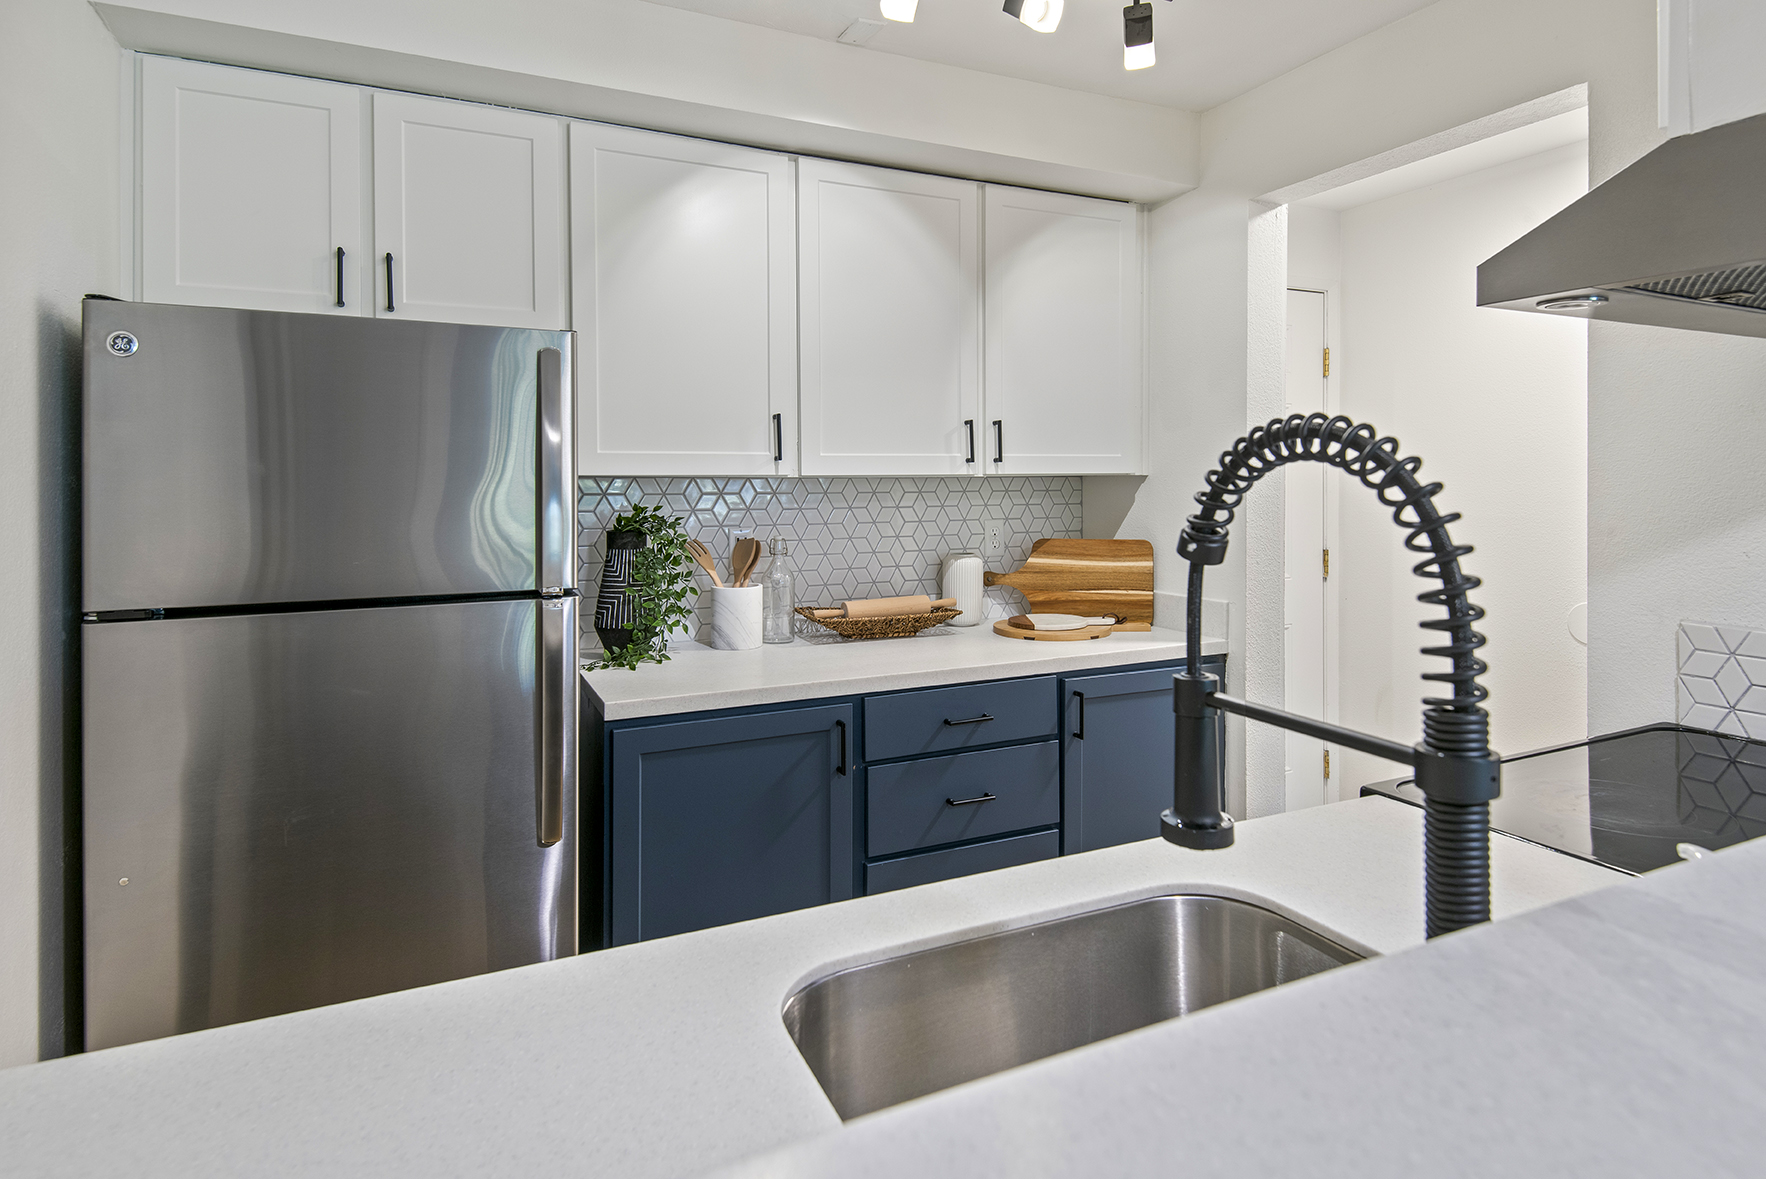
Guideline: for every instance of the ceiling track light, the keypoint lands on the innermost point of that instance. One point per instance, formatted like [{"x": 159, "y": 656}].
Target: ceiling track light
[
  {"x": 1041, "y": 15},
  {"x": 1137, "y": 36},
  {"x": 901, "y": 10}
]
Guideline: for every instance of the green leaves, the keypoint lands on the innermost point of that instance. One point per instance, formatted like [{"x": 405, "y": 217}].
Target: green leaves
[{"x": 662, "y": 587}]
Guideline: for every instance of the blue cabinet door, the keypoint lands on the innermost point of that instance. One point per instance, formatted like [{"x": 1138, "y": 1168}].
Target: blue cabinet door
[
  {"x": 1117, "y": 744},
  {"x": 715, "y": 821}
]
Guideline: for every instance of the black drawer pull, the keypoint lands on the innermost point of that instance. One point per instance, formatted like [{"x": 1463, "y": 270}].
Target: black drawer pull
[
  {"x": 1079, "y": 733},
  {"x": 389, "y": 305},
  {"x": 968, "y": 801},
  {"x": 340, "y": 276},
  {"x": 969, "y": 425},
  {"x": 841, "y": 768},
  {"x": 974, "y": 720}
]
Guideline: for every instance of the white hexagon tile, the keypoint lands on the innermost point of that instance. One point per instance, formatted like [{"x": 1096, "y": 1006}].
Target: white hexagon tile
[
  {"x": 850, "y": 538},
  {"x": 1722, "y": 679}
]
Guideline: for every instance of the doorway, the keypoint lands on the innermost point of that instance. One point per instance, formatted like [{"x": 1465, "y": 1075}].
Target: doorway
[{"x": 1306, "y": 554}]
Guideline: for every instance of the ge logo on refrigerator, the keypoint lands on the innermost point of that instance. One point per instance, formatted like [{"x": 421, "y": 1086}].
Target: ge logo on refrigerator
[{"x": 121, "y": 344}]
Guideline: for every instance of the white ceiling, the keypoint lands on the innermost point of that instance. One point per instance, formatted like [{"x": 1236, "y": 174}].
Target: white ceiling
[{"x": 1209, "y": 50}]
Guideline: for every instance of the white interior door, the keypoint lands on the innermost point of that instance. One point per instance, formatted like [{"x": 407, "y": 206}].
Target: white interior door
[
  {"x": 684, "y": 305},
  {"x": 1063, "y": 291},
  {"x": 469, "y": 207},
  {"x": 889, "y": 318},
  {"x": 1303, "y": 634},
  {"x": 250, "y": 184}
]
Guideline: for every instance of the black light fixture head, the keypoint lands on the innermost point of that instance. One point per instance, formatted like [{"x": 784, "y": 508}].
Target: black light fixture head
[
  {"x": 1137, "y": 36},
  {"x": 1041, "y": 15}
]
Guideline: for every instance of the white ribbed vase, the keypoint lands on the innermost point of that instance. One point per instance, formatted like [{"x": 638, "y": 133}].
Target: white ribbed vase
[{"x": 735, "y": 618}]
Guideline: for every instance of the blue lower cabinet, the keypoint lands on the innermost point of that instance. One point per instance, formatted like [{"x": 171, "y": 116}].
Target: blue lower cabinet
[
  {"x": 715, "y": 821},
  {"x": 948, "y": 864},
  {"x": 707, "y": 821},
  {"x": 1118, "y": 755}
]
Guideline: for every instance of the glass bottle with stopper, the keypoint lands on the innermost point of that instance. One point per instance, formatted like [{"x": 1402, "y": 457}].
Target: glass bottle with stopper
[{"x": 778, "y": 595}]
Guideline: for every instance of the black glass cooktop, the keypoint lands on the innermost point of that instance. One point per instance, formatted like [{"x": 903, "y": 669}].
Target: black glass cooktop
[{"x": 1628, "y": 799}]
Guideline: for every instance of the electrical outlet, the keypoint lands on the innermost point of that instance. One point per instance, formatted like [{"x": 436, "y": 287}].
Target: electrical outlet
[{"x": 993, "y": 539}]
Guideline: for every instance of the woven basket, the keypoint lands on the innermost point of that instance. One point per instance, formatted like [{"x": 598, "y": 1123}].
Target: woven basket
[{"x": 890, "y": 626}]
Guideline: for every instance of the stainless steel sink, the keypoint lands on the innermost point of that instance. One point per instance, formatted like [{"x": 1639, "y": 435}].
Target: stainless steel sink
[{"x": 893, "y": 1030}]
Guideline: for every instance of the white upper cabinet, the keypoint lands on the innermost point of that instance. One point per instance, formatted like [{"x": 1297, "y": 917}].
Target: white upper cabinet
[
  {"x": 1063, "y": 290},
  {"x": 889, "y": 321},
  {"x": 683, "y": 304},
  {"x": 250, "y": 184},
  {"x": 469, "y": 205}
]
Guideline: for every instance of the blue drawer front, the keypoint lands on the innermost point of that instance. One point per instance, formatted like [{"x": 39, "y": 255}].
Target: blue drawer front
[
  {"x": 925, "y": 803},
  {"x": 941, "y": 719},
  {"x": 928, "y": 867}
]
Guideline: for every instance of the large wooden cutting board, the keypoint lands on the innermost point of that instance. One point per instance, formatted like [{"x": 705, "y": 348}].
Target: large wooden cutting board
[{"x": 1087, "y": 577}]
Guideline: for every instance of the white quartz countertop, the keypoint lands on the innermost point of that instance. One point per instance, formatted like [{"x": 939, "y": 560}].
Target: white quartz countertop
[
  {"x": 697, "y": 678},
  {"x": 670, "y": 1058},
  {"x": 1615, "y": 1034}
]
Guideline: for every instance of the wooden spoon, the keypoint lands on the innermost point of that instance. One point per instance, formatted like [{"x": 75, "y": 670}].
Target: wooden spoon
[
  {"x": 706, "y": 561},
  {"x": 743, "y": 559}
]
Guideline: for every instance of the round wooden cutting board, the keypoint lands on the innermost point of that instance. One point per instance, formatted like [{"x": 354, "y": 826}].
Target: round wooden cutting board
[{"x": 1002, "y": 627}]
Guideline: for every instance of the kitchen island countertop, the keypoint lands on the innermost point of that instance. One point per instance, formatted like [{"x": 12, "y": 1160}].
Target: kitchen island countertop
[
  {"x": 670, "y": 1057},
  {"x": 697, "y": 678}
]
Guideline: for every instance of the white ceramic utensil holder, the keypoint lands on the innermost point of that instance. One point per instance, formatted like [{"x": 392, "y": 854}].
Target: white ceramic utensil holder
[{"x": 735, "y": 617}]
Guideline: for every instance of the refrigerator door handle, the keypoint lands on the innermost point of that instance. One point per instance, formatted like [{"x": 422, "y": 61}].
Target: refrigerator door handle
[
  {"x": 555, "y": 479},
  {"x": 555, "y": 702}
]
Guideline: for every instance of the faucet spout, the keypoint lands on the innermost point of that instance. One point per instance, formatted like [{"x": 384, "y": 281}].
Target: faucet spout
[{"x": 1455, "y": 768}]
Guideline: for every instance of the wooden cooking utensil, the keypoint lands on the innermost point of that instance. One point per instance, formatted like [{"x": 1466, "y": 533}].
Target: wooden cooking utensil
[
  {"x": 743, "y": 559},
  {"x": 706, "y": 561},
  {"x": 1087, "y": 577}
]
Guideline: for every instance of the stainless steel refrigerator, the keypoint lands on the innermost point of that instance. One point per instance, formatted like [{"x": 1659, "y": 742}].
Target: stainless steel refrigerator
[{"x": 329, "y": 660}]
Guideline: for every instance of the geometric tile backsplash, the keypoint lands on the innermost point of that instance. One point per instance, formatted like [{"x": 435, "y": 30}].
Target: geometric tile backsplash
[
  {"x": 849, "y": 537},
  {"x": 1721, "y": 683}
]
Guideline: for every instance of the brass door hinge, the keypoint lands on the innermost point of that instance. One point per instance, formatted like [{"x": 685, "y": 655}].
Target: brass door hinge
[
  {"x": 1327, "y": 763},
  {"x": 1327, "y": 563},
  {"x": 1327, "y": 371}
]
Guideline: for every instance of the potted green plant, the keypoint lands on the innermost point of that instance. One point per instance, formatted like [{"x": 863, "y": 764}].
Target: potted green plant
[{"x": 646, "y": 588}]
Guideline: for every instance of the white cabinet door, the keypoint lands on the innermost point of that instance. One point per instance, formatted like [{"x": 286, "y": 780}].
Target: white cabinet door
[
  {"x": 250, "y": 184},
  {"x": 468, "y": 213},
  {"x": 889, "y": 315},
  {"x": 1063, "y": 283},
  {"x": 683, "y": 304}
]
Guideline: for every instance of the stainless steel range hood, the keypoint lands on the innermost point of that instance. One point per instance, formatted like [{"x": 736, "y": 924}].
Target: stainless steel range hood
[{"x": 1678, "y": 239}]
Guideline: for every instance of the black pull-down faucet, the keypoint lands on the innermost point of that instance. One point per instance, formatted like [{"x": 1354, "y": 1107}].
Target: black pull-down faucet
[{"x": 1455, "y": 769}]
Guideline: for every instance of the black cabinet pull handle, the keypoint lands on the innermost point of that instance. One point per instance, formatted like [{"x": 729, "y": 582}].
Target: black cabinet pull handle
[
  {"x": 969, "y": 425},
  {"x": 1079, "y": 735},
  {"x": 389, "y": 305},
  {"x": 778, "y": 438},
  {"x": 340, "y": 276},
  {"x": 841, "y": 768},
  {"x": 974, "y": 720},
  {"x": 968, "y": 801},
  {"x": 999, "y": 441}
]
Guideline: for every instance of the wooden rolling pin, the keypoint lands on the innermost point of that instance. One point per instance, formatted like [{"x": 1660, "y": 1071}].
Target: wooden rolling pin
[{"x": 887, "y": 607}]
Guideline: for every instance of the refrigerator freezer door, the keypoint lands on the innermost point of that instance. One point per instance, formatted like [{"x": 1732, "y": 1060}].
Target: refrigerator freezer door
[
  {"x": 289, "y": 810},
  {"x": 257, "y": 457}
]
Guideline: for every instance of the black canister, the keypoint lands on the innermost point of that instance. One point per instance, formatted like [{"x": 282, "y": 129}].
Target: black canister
[{"x": 616, "y": 603}]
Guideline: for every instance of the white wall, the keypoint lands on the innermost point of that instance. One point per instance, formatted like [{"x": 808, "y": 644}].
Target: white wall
[
  {"x": 1454, "y": 63},
  {"x": 58, "y": 239},
  {"x": 1495, "y": 403}
]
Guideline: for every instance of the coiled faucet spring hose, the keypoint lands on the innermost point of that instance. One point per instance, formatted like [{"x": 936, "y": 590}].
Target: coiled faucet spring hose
[{"x": 1456, "y": 831}]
